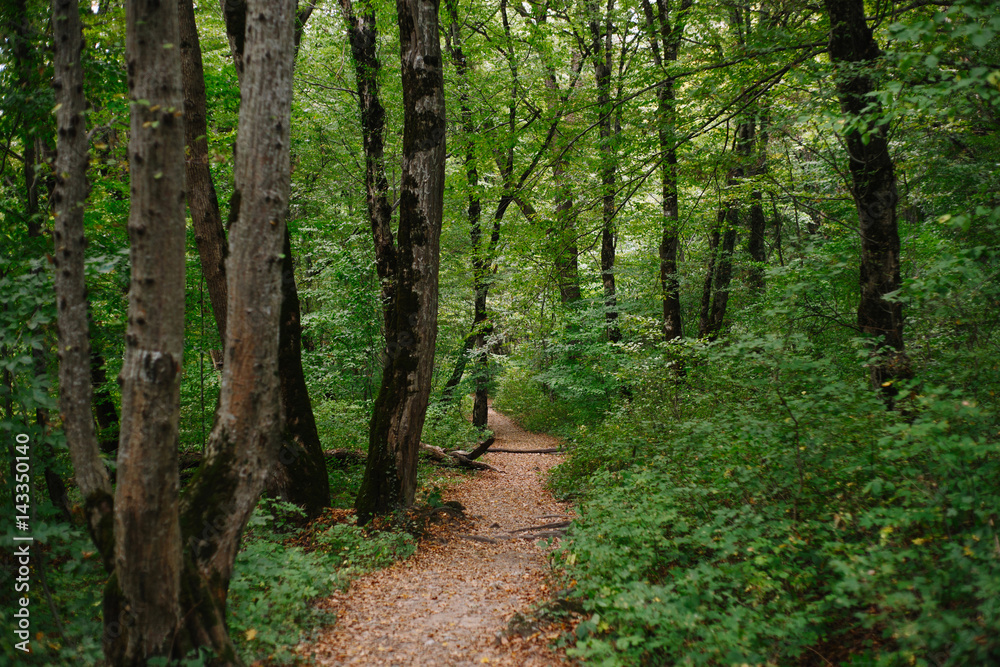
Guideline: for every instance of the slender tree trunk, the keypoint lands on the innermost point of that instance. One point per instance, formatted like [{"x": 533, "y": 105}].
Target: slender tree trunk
[
  {"x": 482, "y": 251},
  {"x": 26, "y": 75},
  {"x": 723, "y": 271},
  {"x": 362, "y": 33},
  {"x": 852, "y": 49},
  {"x": 705, "y": 310},
  {"x": 68, "y": 201},
  {"x": 563, "y": 236},
  {"x": 660, "y": 28},
  {"x": 758, "y": 223},
  {"x": 206, "y": 218},
  {"x": 147, "y": 527},
  {"x": 601, "y": 49},
  {"x": 400, "y": 408}
]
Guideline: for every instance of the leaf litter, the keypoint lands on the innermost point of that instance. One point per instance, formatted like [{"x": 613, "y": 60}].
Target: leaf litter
[{"x": 467, "y": 596}]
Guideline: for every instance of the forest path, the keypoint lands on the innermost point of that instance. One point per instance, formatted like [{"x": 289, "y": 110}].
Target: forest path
[{"x": 450, "y": 602}]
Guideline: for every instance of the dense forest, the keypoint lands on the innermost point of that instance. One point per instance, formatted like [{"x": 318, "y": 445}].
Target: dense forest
[{"x": 267, "y": 266}]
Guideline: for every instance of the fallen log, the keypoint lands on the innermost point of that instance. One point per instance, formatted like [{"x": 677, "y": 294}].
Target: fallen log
[
  {"x": 481, "y": 448},
  {"x": 455, "y": 458}
]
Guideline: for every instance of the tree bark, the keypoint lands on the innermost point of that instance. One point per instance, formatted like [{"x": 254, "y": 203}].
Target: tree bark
[
  {"x": 758, "y": 223},
  {"x": 206, "y": 218},
  {"x": 26, "y": 72},
  {"x": 301, "y": 477},
  {"x": 68, "y": 201},
  {"x": 298, "y": 475},
  {"x": 245, "y": 437},
  {"x": 390, "y": 473},
  {"x": 147, "y": 529},
  {"x": 852, "y": 50},
  {"x": 723, "y": 271},
  {"x": 362, "y": 33}
]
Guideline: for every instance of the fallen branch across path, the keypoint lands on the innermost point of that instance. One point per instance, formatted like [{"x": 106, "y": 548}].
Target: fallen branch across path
[{"x": 455, "y": 458}]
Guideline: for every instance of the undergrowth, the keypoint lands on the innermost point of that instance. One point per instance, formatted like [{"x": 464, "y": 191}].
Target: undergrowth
[{"x": 783, "y": 516}]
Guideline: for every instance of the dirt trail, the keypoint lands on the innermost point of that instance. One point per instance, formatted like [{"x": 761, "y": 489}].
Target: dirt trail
[{"x": 448, "y": 604}]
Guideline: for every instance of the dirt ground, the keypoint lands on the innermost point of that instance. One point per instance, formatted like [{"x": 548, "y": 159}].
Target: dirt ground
[{"x": 453, "y": 601}]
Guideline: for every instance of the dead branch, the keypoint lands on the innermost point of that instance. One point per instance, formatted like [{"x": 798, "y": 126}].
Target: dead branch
[{"x": 455, "y": 458}]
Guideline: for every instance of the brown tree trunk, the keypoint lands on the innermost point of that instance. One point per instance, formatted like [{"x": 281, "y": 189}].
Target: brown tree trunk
[
  {"x": 852, "y": 49},
  {"x": 391, "y": 471},
  {"x": 206, "y": 218},
  {"x": 298, "y": 474},
  {"x": 26, "y": 72},
  {"x": 705, "y": 310},
  {"x": 68, "y": 200},
  {"x": 147, "y": 529},
  {"x": 758, "y": 223},
  {"x": 301, "y": 477},
  {"x": 482, "y": 251},
  {"x": 362, "y": 33},
  {"x": 219, "y": 500},
  {"x": 723, "y": 271}
]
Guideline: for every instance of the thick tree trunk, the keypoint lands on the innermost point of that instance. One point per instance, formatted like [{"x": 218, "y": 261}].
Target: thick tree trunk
[
  {"x": 298, "y": 475},
  {"x": 563, "y": 235},
  {"x": 147, "y": 529},
  {"x": 390, "y": 473},
  {"x": 245, "y": 438},
  {"x": 853, "y": 48},
  {"x": 68, "y": 200}
]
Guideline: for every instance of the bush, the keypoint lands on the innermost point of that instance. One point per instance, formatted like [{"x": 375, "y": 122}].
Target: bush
[{"x": 801, "y": 517}]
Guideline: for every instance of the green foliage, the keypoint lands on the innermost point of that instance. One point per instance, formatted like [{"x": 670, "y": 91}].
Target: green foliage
[
  {"x": 788, "y": 511},
  {"x": 274, "y": 586},
  {"x": 271, "y": 596},
  {"x": 356, "y": 551},
  {"x": 447, "y": 427}
]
